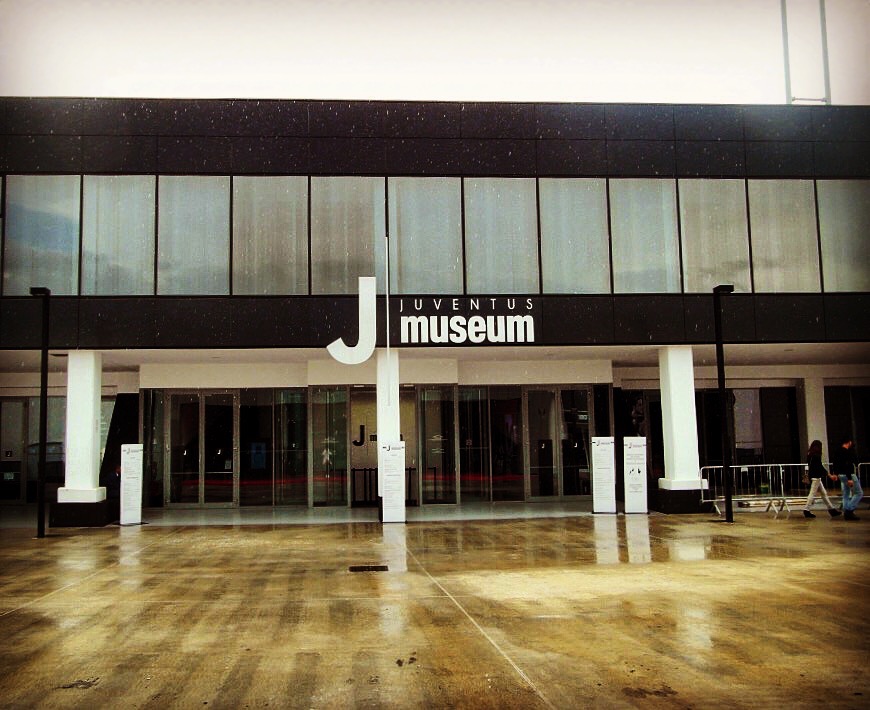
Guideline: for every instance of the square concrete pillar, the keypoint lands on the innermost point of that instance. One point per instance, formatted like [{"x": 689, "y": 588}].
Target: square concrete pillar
[
  {"x": 82, "y": 446},
  {"x": 680, "y": 489}
]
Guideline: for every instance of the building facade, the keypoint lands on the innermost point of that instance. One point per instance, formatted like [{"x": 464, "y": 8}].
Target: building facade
[{"x": 543, "y": 275}]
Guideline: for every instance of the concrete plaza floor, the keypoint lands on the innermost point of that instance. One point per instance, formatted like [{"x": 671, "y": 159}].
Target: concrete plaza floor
[{"x": 574, "y": 611}]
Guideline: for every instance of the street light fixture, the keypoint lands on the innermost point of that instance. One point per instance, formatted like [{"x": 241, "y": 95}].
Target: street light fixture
[{"x": 723, "y": 398}]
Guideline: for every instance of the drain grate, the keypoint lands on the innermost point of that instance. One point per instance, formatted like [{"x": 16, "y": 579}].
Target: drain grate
[{"x": 368, "y": 568}]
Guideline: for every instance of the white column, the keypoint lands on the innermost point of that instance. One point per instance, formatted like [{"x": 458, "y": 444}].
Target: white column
[
  {"x": 679, "y": 422},
  {"x": 389, "y": 428},
  {"x": 84, "y": 383},
  {"x": 815, "y": 422},
  {"x": 391, "y": 462}
]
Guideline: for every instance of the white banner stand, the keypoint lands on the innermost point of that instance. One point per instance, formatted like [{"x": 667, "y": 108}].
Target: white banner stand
[
  {"x": 603, "y": 475},
  {"x": 131, "y": 484},
  {"x": 391, "y": 480},
  {"x": 634, "y": 474}
]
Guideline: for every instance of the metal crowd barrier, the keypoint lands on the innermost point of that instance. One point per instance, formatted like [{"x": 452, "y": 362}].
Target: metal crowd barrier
[{"x": 774, "y": 484}]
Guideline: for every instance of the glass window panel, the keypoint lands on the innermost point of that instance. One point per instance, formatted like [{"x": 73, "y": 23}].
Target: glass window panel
[
  {"x": 425, "y": 235},
  {"x": 501, "y": 235},
  {"x": 645, "y": 244},
  {"x": 844, "y": 218},
  {"x": 42, "y": 234},
  {"x": 118, "y": 235},
  {"x": 715, "y": 234},
  {"x": 270, "y": 235},
  {"x": 575, "y": 253},
  {"x": 785, "y": 253},
  {"x": 55, "y": 442},
  {"x": 193, "y": 254},
  {"x": 347, "y": 233}
]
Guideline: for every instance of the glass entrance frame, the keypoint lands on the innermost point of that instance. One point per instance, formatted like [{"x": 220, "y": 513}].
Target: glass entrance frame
[{"x": 201, "y": 456}]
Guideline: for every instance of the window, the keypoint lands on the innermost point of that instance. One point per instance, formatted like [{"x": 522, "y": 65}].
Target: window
[
  {"x": 118, "y": 235},
  {"x": 425, "y": 235},
  {"x": 715, "y": 234},
  {"x": 844, "y": 219},
  {"x": 42, "y": 234},
  {"x": 501, "y": 235},
  {"x": 270, "y": 235},
  {"x": 193, "y": 236},
  {"x": 645, "y": 244},
  {"x": 347, "y": 233},
  {"x": 785, "y": 253},
  {"x": 575, "y": 254}
]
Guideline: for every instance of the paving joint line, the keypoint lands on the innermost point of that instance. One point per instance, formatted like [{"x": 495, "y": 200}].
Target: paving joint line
[{"x": 498, "y": 648}]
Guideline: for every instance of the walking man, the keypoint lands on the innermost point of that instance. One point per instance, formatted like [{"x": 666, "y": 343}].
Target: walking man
[{"x": 844, "y": 463}]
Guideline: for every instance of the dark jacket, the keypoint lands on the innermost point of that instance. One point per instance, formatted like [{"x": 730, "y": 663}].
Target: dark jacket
[
  {"x": 815, "y": 467},
  {"x": 844, "y": 461}
]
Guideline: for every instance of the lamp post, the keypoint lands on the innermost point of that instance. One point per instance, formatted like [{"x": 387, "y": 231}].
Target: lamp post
[
  {"x": 44, "y": 294},
  {"x": 723, "y": 398}
]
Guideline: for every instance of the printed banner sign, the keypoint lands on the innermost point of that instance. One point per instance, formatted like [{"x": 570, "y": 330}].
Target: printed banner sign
[
  {"x": 634, "y": 472},
  {"x": 131, "y": 484},
  {"x": 603, "y": 475},
  {"x": 391, "y": 475}
]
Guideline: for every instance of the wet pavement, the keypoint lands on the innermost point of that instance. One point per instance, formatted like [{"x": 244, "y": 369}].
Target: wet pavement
[{"x": 580, "y": 611}]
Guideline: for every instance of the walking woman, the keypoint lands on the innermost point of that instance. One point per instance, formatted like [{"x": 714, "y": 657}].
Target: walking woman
[{"x": 815, "y": 473}]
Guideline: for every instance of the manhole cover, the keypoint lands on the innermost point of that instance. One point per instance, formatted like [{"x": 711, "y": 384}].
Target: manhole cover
[{"x": 368, "y": 568}]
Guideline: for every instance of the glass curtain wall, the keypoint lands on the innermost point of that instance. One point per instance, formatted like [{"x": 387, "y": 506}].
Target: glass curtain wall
[
  {"x": 193, "y": 224},
  {"x": 437, "y": 443},
  {"x": 474, "y": 479},
  {"x": 348, "y": 226},
  {"x": 785, "y": 252},
  {"x": 501, "y": 235},
  {"x": 270, "y": 235},
  {"x": 41, "y": 245},
  {"x": 844, "y": 222},
  {"x": 118, "y": 235},
  {"x": 715, "y": 235},
  {"x": 425, "y": 235},
  {"x": 329, "y": 445},
  {"x": 575, "y": 250},
  {"x": 646, "y": 250}
]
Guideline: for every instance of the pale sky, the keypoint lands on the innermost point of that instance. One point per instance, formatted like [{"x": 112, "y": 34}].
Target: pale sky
[{"x": 693, "y": 51}]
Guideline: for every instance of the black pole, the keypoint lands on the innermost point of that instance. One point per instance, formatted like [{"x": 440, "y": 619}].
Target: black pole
[
  {"x": 44, "y": 294},
  {"x": 723, "y": 397}
]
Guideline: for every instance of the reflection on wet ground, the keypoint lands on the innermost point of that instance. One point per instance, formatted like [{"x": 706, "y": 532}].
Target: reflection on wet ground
[{"x": 574, "y": 611}]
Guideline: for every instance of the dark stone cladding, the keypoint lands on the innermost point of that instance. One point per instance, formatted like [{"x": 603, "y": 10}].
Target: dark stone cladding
[
  {"x": 298, "y": 137},
  {"x": 109, "y": 322}
]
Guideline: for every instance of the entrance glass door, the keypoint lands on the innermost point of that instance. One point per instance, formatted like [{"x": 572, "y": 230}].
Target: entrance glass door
[
  {"x": 363, "y": 448},
  {"x": 13, "y": 480},
  {"x": 576, "y": 420},
  {"x": 543, "y": 433},
  {"x": 201, "y": 442},
  {"x": 329, "y": 445}
]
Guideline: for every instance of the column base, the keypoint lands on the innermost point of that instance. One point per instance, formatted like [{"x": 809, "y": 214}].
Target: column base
[
  {"x": 81, "y": 495},
  {"x": 80, "y": 515},
  {"x": 675, "y": 502}
]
